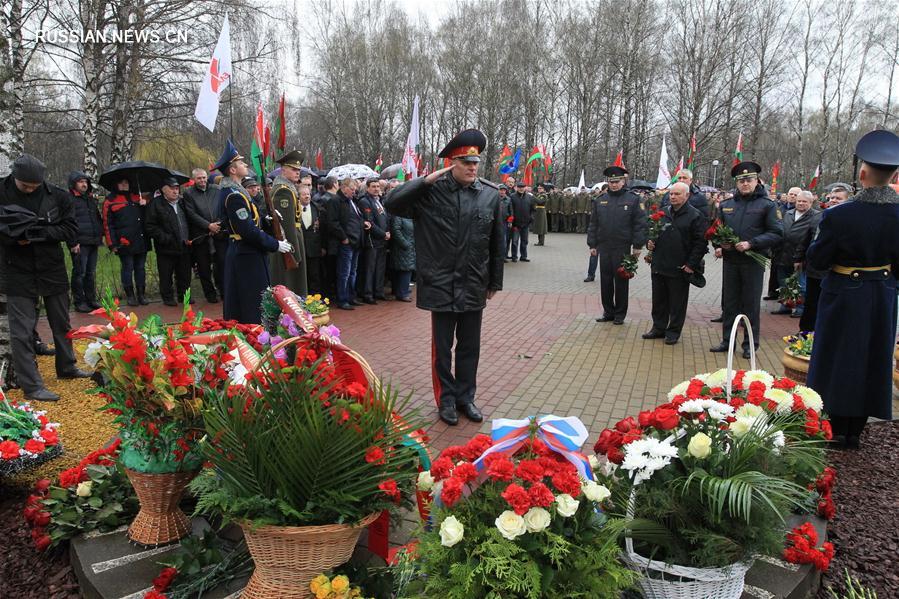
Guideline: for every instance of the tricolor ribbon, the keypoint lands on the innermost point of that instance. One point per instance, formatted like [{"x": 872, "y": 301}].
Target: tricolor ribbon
[{"x": 562, "y": 435}]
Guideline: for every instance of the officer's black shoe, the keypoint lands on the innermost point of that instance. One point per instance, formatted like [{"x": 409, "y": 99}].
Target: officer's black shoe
[
  {"x": 167, "y": 302},
  {"x": 356, "y": 303},
  {"x": 653, "y": 334},
  {"x": 746, "y": 354},
  {"x": 471, "y": 412},
  {"x": 605, "y": 318},
  {"x": 671, "y": 340},
  {"x": 525, "y": 260},
  {"x": 719, "y": 319},
  {"x": 42, "y": 395},
  {"x": 42, "y": 349},
  {"x": 618, "y": 321},
  {"x": 345, "y": 307},
  {"x": 129, "y": 294},
  {"x": 82, "y": 307},
  {"x": 514, "y": 259},
  {"x": 589, "y": 279},
  {"x": 718, "y": 349},
  {"x": 448, "y": 415},
  {"x": 141, "y": 292},
  {"x": 370, "y": 300},
  {"x": 75, "y": 373},
  {"x": 781, "y": 310}
]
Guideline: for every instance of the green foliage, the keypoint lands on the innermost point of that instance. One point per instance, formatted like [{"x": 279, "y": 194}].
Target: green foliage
[
  {"x": 177, "y": 151},
  {"x": 111, "y": 503},
  {"x": 854, "y": 590},
  {"x": 194, "y": 554},
  {"x": 290, "y": 449},
  {"x": 204, "y": 564},
  {"x": 574, "y": 557}
]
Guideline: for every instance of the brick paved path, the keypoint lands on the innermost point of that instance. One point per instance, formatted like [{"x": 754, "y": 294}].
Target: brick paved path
[{"x": 542, "y": 351}]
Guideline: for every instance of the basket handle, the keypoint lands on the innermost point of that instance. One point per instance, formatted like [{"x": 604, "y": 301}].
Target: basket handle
[{"x": 730, "y": 349}]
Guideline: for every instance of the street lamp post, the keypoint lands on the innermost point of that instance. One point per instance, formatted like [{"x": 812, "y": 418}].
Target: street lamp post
[{"x": 715, "y": 164}]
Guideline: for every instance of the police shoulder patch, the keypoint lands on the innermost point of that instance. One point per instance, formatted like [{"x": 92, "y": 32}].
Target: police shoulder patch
[
  {"x": 242, "y": 214},
  {"x": 779, "y": 215},
  {"x": 285, "y": 202}
]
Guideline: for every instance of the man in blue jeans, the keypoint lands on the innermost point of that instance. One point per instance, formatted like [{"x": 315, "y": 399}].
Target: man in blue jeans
[
  {"x": 346, "y": 225},
  {"x": 87, "y": 243}
]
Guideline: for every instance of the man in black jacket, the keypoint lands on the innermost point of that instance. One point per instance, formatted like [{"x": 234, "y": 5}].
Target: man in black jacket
[
  {"x": 374, "y": 250},
  {"x": 800, "y": 224},
  {"x": 167, "y": 225},
  {"x": 617, "y": 228},
  {"x": 459, "y": 264},
  {"x": 345, "y": 226},
  {"x": 522, "y": 214},
  {"x": 210, "y": 241},
  {"x": 33, "y": 268},
  {"x": 756, "y": 220},
  {"x": 87, "y": 244},
  {"x": 676, "y": 254},
  {"x": 331, "y": 245}
]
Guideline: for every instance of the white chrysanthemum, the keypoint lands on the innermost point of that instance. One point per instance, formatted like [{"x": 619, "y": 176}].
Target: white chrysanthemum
[
  {"x": 810, "y": 397},
  {"x": 717, "y": 378},
  {"x": 749, "y": 411},
  {"x": 720, "y": 411},
  {"x": 757, "y": 375},
  {"x": 679, "y": 389},
  {"x": 692, "y": 406},
  {"x": 778, "y": 440},
  {"x": 645, "y": 456},
  {"x": 783, "y": 399}
]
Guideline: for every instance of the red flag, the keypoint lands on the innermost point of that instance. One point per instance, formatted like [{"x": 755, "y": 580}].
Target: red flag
[
  {"x": 319, "y": 160},
  {"x": 814, "y": 182},
  {"x": 775, "y": 173},
  {"x": 548, "y": 164},
  {"x": 378, "y": 164},
  {"x": 505, "y": 157},
  {"x": 267, "y": 142},
  {"x": 619, "y": 159},
  {"x": 691, "y": 160},
  {"x": 738, "y": 152},
  {"x": 282, "y": 126}
]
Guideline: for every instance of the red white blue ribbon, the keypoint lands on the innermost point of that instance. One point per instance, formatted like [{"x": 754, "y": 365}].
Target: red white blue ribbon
[{"x": 562, "y": 435}]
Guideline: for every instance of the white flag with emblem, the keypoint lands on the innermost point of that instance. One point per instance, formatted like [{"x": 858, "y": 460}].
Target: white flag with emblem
[
  {"x": 410, "y": 154},
  {"x": 216, "y": 79},
  {"x": 582, "y": 183},
  {"x": 664, "y": 178}
]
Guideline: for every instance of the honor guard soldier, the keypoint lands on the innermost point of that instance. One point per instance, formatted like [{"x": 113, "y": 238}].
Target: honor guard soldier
[
  {"x": 617, "y": 228},
  {"x": 459, "y": 259},
  {"x": 581, "y": 209},
  {"x": 566, "y": 211},
  {"x": 540, "y": 225},
  {"x": 286, "y": 200},
  {"x": 855, "y": 331},
  {"x": 246, "y": 263},
  {"x": 756, "y": 220},
  {"x": 553, "y": 204}
]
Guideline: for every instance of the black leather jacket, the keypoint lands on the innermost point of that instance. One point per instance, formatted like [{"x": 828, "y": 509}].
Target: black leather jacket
[
  {"x": 616, "y": 221},
  {"x": 755, "y": 219},
  {"x": 458, "y": 241}
]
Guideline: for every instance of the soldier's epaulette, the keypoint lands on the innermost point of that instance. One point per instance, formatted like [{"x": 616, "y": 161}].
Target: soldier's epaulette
[{"x": 488, "y": 183}]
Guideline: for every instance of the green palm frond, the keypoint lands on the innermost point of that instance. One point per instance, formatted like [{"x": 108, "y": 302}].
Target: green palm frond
[{"x": 739, "y": 494}]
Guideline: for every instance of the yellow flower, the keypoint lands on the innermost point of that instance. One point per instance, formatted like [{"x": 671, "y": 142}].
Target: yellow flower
[
  {"x": 323, "y": 591},
  {"x": 318, "y": 582},
  {"x": 340, "y": 584},
  {"x": 317, "y": 296},
  {"x": 327, "y": 301}
]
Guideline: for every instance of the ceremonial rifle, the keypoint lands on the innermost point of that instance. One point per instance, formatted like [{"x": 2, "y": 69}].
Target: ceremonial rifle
[{"x": 290, "y": 263}]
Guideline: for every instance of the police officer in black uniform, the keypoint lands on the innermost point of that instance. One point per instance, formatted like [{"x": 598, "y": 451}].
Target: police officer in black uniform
[
  {"x": 617, "y": 227},
  {"x": 756, "y": 220},
  {"x": 246, "y": 263}
]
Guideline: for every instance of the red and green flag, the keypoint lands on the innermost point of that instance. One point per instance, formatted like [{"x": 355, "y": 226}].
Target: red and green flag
[
  {"x": 775, "y": 173},
  {"x": 547, "y": 163},
  {"x": 677, "y": 169},
  {"x": 378, "y": 164},
  {"x": 505, "y": 158},
  {"x": 691, "y": 160},
  {"x": 401, "y": 175},
  {"x": 281, "y": 127},
  {"x": 738, "y": 151},
  {"x": 259, "y": 149},
  {"x": 533, "y": 162},
  {"x": 814, "y": 182}
]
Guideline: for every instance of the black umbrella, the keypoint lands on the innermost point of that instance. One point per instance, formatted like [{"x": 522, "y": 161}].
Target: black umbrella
[
  {"x": 640, "y": 184},
  {"x": 146, "y": 176}
]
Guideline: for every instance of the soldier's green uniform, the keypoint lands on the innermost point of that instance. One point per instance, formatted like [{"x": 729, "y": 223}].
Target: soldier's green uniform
[
  {"x": 540, "y": 226},
  {"x": 286, "y": 201},
  {"x": 567, "y": 211},
  {"x": 581, "y": 205},
  {"x": 553, "y": 204}
]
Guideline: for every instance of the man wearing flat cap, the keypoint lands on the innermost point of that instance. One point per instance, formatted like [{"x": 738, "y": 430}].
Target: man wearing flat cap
[
  {"x": 757, "y": 221},
  {"x": 855, "y": 331},
  {"x": 33, "y": 267},
  {"x": 459, "y": 260},
  {"x": 286, "y": 200},
  {"x": 617, "y": 228},
  {"x": 168, "y": 225}
]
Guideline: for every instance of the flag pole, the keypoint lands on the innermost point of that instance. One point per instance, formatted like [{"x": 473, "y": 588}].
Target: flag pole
[{"x": 231, "y": 112}]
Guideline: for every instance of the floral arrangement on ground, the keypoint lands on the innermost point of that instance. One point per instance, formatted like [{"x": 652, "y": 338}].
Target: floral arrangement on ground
[
  {"x": 800, "y": 344},
  {"x": 709, "y": 478},
  {"x": 27, "y": 437}
]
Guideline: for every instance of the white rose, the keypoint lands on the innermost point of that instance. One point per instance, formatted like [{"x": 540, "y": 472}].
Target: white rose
[
  {"x": 510, "y": 525},
  {"x": 810, "y": 397},
  {"x": 84, "y": 489},
  {"x": 700, "y": 446},
  {"x": 594, "y": 491},
  {"x": 566, "y": 505},
  {"x": 451, "y": 531},
  {"x": 594, "y": 463},
  {"x": 536, "y": 519},
  {"x": 425, "y": 481}
]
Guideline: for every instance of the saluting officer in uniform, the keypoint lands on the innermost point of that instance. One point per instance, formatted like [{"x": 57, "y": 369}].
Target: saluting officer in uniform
[
  {"x": 246, "y": 263},
  {"x": 855, "y": 331},
  {"x": 756, "y": 220},
  {"x": 285, "y": 199},
  {"x": 459, "y": 259},
  {"x": 617, "y": 224}
]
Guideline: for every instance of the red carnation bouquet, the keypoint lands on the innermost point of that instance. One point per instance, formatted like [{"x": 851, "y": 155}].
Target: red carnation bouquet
[
  {"x": 790, "y": 294},
  {"x": 628, "y": 267},
  {"x": 724, "y": 237},
  {"x": 27, "y": 437},
  {"x": 656, "y": 221},
  {"x": 802, "y": 548}
]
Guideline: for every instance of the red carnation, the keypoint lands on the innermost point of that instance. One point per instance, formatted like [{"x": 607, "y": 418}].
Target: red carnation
[
  {"x": 784, "y": 383},
  {"x": 43, "y": 542},
  {"x": 452, "y": 491},
  {"x": 567, "y": 482},
  {"x": 465, "y": 472},
  {"x": 477, "y": 446},
  {"x": 34, "y": 446},
  {"x": 500, "y": 468},
  {"x": 9, "y": 450},
  {"x": 374, "y": 455},
  {"x": 517, "y": 498},
  {"x": 42, "y": 485},
  {"x": 529, "y": 470},
  {"x": 390, "y": 489},
  {"x": 441, "y": 468},
  {"x": 540, "y": 495},
  {"x": 165, "y": 578}
]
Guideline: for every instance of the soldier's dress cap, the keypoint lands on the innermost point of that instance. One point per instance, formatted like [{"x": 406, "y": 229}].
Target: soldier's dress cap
[
  {"x": 879, "y": 148},
  {"x": 614, "y": 173},
  {"x": 744, "y": 169},
  {"x": 229, "y": 155},
  {"x": 28, "y": 169},
  {"x": 549, "y": 185},
  {"x": 292, "y": 158},
  {"x": 466, "y": 145}
]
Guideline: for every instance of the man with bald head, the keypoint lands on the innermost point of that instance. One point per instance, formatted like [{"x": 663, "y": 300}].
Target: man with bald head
[{"x": 676, "y": 254}]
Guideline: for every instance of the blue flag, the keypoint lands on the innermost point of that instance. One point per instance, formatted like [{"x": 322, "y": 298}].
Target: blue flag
[{"x": 508, "y": 169}]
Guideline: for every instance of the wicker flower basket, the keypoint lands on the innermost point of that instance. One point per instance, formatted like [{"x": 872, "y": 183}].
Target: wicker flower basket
[
  {"x": 795, "y": 367},
  {"x": 159, "y": 520},
  {"x": 287, "y": 558},
  {"x": 322, "y": 319},
  {"x": 896, "y": 370}
]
